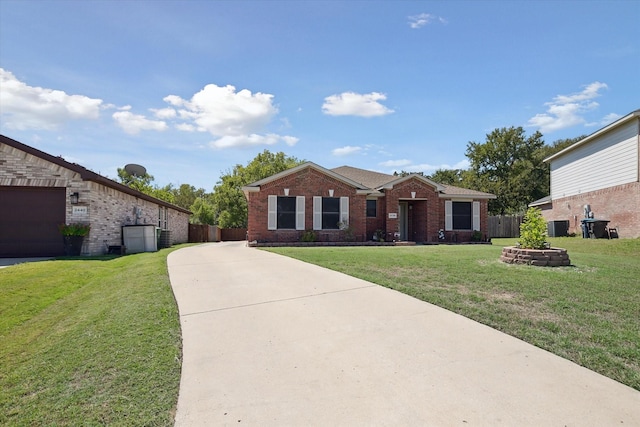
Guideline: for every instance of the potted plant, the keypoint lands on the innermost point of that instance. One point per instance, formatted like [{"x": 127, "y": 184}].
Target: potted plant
[{"x": 73, "y": 235}]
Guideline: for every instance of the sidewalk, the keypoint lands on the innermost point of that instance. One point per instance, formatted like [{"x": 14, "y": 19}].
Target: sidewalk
[{"x": 271, "y": 341}]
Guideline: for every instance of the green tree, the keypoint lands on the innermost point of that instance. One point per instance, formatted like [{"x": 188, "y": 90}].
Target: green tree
[
  {"x": 186, "y": 195},
  {"x": 142, "y": 183},
  {"x": 230, "y": 204},
  {"x": 509, "y": 164},
  {"x": 457, "y": 177},
  {"x": 202, "y": 211},
  {"x": 533, "y": 230}
]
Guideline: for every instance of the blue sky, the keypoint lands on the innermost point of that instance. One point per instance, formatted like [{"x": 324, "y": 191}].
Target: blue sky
[{"x": 191, "y": 88}]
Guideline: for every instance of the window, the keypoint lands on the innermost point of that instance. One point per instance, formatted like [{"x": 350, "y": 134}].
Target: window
[
  {"x": 285, "y": 213},
  {"x": 328, "y": 212},
  {"x": 461, "y": 215},
  {"x": 372, "y": 206},
  {"x": 163, "y": 217}
]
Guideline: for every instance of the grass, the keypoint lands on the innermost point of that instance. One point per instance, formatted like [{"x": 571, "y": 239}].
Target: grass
[
  {"x": 588, "y": 313},
  {"x": 92, "y": 341}
]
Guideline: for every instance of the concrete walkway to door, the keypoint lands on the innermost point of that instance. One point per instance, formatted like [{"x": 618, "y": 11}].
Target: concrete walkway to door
[{"x": 271, "y": 341}]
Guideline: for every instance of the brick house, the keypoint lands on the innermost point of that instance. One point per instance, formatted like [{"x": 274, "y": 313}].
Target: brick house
[
  {"x": 602, "y": 172},
  {"x": 351, "y": 204},
  {"x": 39, "y": 191}
]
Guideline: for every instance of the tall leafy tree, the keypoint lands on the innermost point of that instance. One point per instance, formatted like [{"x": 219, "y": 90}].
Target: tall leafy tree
[
  {"x": 202, "y": 210},
  {"x": 509, "y": 165},
  {"x": 230, "y": 204},
  {"x": 457, "y": 177},
  {"x": 186, "y": 195},
  {"x": 143, "y": 183}
]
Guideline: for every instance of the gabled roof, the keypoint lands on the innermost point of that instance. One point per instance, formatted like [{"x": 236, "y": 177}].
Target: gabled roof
[
  {"x": 381, "y": 181},
  {"x": 86, "y": 174},
  {"x": 369, "y": 179},
  {"x": 255, "y": 186},
  {"x": 371, "y": 182},
  {"x": 631, "y": 116}
]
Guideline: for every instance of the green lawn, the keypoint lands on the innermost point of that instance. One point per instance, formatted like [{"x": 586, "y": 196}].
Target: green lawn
[
  {"x": 97, "y": 341},
  {"x": 89, "y": 342},
  {"x": 588, "y": 313}
]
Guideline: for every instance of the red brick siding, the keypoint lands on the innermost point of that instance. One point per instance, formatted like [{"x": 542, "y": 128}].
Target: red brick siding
[
  {"x": 425, "y": 217},
  {"x": 619, "y": 204},
  {"x": 309, "y": 183}
]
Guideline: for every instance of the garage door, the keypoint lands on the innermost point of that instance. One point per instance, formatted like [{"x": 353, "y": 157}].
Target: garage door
[{"x": 29, "y": 219}]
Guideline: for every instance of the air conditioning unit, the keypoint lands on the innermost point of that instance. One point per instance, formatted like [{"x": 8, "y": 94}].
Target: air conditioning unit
[{"x": 558, "y": 228}]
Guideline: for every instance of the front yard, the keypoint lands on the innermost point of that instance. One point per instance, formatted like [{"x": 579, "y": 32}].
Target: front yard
[
  {"x": 588, "y": 313},
  {"x": 91, "y": 341},
  {"x": 97, "y": 341}
]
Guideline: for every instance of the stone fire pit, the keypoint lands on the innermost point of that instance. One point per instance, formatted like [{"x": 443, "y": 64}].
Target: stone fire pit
[{"x": 552, "y": 257}]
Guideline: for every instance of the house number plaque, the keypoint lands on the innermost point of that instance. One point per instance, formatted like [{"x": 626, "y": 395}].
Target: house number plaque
[
  {"x": 393, "y": 215},
  {"x": 80, "y": 210}
]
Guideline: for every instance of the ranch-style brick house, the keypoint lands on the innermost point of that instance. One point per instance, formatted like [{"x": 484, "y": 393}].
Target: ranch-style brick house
[
  {"x": 351, "y": 204},
  {"x": 601, "y": 172},
  {"x": 38, "y": 192}
]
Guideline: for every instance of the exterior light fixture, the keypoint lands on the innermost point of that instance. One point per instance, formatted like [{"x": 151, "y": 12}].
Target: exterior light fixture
[
  {"x": 74, "y": 197},
  {"x": 286, "y": 191},
  {"x": 330, "y": 193}
]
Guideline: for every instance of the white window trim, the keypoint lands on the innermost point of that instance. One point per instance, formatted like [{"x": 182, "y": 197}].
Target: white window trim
[
  {"x": 317, "y": 212},
  {"x": 344, "y": 210},
  {"x": 272, "y": 212},
  {"x": 476, "y": 216},
  {"x": 300, "y": 207},
  {"x": 448, "y": 215}
]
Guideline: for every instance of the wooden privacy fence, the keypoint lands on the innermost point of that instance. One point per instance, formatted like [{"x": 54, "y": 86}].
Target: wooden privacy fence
[
  {"x": 203, "y": 233},
  {"x": 505, "y": 226},
  {"x": 233, "y": 234},
  {"x": 209, "y": 233}
]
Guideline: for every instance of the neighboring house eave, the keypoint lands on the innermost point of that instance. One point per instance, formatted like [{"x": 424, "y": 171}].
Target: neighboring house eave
[
  {"x": 540, "y": 202},
  {"x": 88, "y": 175},
  {"x": 635, "y": 115}
]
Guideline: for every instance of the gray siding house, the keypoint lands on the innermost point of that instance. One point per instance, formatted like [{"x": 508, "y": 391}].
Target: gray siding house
[{"x": 601, "y": 171}]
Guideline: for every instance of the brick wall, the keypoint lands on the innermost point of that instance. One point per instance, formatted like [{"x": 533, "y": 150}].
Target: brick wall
[
  {"x": 309, "y": 183},
  {"x": 425, "y": 215},
  {"x": 104, "y": 208},
  {"x": 619, "y": 204}
]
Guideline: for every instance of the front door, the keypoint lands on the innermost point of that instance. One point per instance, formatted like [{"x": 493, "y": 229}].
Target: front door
[{"x": 403, "y": 220}]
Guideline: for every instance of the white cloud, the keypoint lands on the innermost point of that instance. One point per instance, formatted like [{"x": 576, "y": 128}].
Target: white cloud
[
  {"x": 29, "y": 107},
  {"x": 345, "y": 151},
  {"x": 236, "y": 119},
  {"x": 134, "y": 123},
  {"x": 419, "y": 21},
  {"x": 355, "y": 104},
  {"x": 568, "y": 110},
  {"x": 609, "y": 118},
  {"x": 164, "y": 113},
  {"x": 252, "y": 140},
  {"x": 395, "y": 163},
  {"x": 408, "y": 165},
  {"x": 222, "y": 111}
]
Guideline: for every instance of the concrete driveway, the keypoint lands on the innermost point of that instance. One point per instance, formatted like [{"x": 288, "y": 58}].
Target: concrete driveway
[{"x": 271, "y": 341}]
